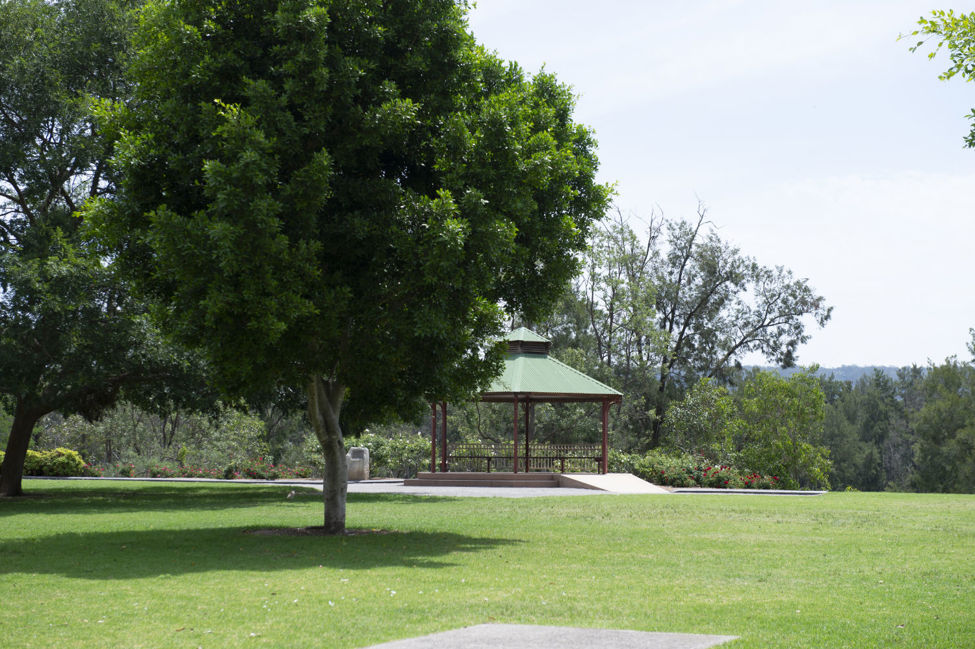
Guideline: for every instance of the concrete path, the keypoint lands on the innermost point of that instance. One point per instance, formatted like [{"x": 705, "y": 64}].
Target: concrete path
[
  {"x": 596, "y": 485},
  {"x": 518, "y": 636},
  {"x": 397, "y": 487},
  {"x": 617, "y": 483}
]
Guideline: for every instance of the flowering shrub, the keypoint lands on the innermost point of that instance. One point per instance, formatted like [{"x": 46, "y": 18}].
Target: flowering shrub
[
  {"x": 718, "y": 477},
  {"x": 260, "y": 469},
  {"x": 125, "y": 470},
  {"x": 257, "y": 469},
  {"x": 695, "y": 471},
  {"x": 157, "y": 471},
  {"x": 756, "y": 481},
  {"x": 293, "y": 472},
  {"x": 198, "y": 472}
]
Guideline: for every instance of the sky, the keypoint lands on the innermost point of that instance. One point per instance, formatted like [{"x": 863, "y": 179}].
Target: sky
[{"x": 813, "y": 137}]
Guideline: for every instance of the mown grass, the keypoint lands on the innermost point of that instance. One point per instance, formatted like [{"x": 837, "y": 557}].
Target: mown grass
[{"x": 108, "y": 564}]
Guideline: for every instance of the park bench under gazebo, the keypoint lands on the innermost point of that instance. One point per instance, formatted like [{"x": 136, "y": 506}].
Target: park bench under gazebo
[{"x": 530, "y": 376}]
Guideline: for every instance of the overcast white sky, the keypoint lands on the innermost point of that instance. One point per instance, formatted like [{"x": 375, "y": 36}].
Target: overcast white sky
[{"x": 816, "y": 140}]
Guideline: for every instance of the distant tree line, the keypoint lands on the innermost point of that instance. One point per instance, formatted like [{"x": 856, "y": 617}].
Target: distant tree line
[{"x": 915, "y": 432}]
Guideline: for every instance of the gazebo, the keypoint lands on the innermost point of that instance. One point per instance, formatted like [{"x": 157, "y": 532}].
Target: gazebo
[{"x": 530, "y": 376}]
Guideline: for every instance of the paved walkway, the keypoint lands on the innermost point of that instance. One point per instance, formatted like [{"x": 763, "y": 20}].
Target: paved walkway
[
  {"x": 396, "y": 486},
  {"x": 520, "y": 636},
  {"x": 390, "y": 486}
]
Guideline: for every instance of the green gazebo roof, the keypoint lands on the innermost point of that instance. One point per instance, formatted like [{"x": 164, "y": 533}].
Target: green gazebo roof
[{"x": 530, "y": 373}]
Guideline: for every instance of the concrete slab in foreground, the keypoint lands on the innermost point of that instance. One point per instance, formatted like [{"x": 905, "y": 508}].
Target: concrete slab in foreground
[
  {"x": 617, "y": 483},
  {"x": 519, "y": 636}
]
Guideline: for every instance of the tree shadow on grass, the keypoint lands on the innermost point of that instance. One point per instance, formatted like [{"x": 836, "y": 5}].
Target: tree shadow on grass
[
  {"x": 154, "y": 553},
  {"x": 148, "y": 497},
  {"x": 123, "y": 497},
  {"x": 56, "y": 498}
]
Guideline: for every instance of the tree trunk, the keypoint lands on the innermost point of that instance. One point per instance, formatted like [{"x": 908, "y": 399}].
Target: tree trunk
[
  {"x": 12, "y": 470},
  {"x": 324, "y": 405}
]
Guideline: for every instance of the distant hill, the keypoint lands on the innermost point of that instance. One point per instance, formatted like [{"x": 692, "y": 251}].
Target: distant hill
[{"x": 849, "y": 373}]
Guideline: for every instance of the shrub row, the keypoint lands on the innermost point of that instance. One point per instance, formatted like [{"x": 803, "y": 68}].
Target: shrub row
[
  {"x": 68, "y": 463},
  {"x": 393, "y": 457},
  {"x": 57, "y": 462},
  {"x": 256, "y": 469},
  {"x": 673, "y": 470}
]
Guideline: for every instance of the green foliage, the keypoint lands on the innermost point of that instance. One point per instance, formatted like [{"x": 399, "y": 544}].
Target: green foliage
[
  {"x": 662, "y": 468},
  {"x": 945, "y": 429},
  {"x": 55, "y": 462},
  {"x": 913, "y": 432},
  {"x": 957, "y": 33},
  {"x": 157, "y": 471},
  {"x": 654, "y": 313},
  {"x": 124, "y": 470},
  {"x": 688, "y": 470},
  {"x": 771, "y": 425},
  {"x": 399, "y": 456},
  {"x": 89, "y": 339},
  {"x": 129, "y": 434},
  {"x": 258, "y": 468},
  {"x": 361, "y": 212},
  {"x": 316, "y": 199},
  {"x": 706, "y": 421},
  {"x": 621, "y": 461},
  {"x": 783, "y": 425}
]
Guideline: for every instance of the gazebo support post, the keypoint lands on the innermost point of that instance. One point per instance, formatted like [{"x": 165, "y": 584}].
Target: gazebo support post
[
  {"x": 433, "y": 437},
  {"x": 604, "y": 468},
  {"x": 514, "y": 459},
  {"x": 443, "y": 439},
  {"x": 528, "y": 432}
]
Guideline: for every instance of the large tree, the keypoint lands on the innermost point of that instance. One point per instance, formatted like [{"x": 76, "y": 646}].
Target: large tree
[
  {"x": 71, "y": 337},
  {"x": 956, "y": 32},
  {"x": 676, "y": 303},
  {"x": 716, "y": 305},
  {"x": 344, "y": 196}
]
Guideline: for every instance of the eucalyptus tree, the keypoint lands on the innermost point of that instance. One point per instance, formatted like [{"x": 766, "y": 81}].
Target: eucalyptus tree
[
  {"x": 673, "y": 303},
  {"x": 715, "y": 305},
  {"x": 344, "y": 197},
  {"x": 71, "y": 337}
]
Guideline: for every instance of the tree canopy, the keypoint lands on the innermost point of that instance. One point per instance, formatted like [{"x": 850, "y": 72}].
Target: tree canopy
[
  {"x": 654, "y": 312},
  {"x": 71, "y": 336},
  {"x": 343, "y": 196},
  {"x": 956, "y": 32}
]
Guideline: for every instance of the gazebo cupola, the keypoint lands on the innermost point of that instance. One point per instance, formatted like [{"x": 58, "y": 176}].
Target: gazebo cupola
[{"x": 525, "y": 341}]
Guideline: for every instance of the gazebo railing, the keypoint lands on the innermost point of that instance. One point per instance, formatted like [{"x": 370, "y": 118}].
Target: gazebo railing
[{"x": 554, "y": 458}]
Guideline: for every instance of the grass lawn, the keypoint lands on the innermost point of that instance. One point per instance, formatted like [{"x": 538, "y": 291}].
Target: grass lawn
[{"x": 128, "y": 564}]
